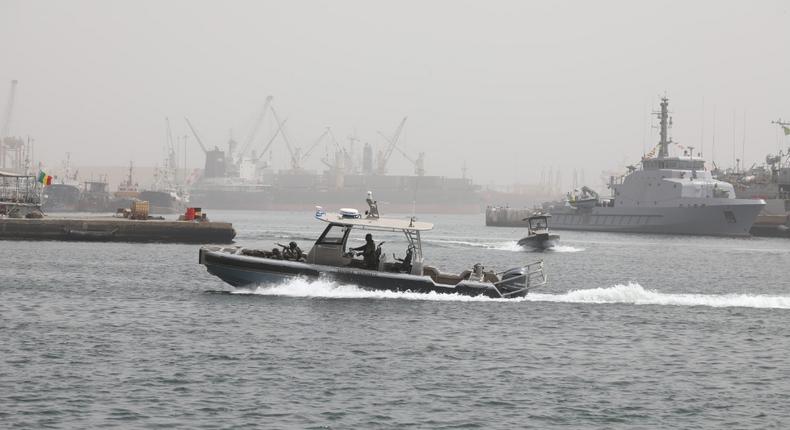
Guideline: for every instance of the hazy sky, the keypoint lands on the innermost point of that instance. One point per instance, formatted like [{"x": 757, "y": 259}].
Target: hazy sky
[{"x": 509, "y": 88}]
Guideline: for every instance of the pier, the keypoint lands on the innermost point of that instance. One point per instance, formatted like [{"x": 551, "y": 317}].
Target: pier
[{"x": 111, "y": 229}]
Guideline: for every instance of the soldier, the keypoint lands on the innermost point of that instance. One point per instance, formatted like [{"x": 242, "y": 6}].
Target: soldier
[
  {"x": 368, "y": 251},
  {"x": 293, "y": 252}
]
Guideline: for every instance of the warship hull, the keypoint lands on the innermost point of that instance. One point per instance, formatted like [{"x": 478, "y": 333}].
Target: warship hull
[{"x": 735, "y": 219}]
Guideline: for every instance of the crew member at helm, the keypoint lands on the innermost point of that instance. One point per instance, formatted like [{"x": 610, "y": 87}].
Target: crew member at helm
[{"x": 368, "y": 252}]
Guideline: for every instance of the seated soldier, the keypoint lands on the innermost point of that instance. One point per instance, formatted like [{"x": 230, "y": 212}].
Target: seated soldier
[
  {"x": 405, "y": 263},
  {"x": 293, "y": 252},
  {"x": 368, "y": 251}
]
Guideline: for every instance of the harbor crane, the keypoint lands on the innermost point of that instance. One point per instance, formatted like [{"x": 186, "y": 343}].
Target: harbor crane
[
  {"x": 172, "y": 157},
  {"x": 342, "y": 159},
  {"x": 418, "y": 163},
  {"x": 12, "y": 148},
  {"x": 269, "y": 144},
  {"x": 384, "y": 156},
  {"x": 297, "y": 157},
  {"x": 197, "y": 137},
  {"x": 255, "y": 127},
  {"x": 5, "y": 131}
]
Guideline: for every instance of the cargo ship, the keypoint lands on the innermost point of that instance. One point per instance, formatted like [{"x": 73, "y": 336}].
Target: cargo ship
[{"x": 238, "y": 179}]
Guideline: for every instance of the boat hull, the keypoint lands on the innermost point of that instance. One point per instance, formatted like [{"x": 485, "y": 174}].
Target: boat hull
[
  {"x": 245, "y": 271},
  {"x": 540, "y": 241}
]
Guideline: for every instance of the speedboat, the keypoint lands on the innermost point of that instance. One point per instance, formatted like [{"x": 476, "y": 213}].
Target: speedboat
[
  {"x": 538, "y": 235},
  {"x": 331, "y": 258}
]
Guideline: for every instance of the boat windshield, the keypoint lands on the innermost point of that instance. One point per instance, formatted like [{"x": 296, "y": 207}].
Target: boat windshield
[
  {"x": 334, "y": 234},
  {"x": 538, "y": 223}
]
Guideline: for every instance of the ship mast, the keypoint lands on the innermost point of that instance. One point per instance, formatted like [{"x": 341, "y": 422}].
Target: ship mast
[{"x": 663, "y": 116}]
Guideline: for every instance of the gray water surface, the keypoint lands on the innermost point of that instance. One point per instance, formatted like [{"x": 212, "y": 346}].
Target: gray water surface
[{"x": 634, "y": 331}]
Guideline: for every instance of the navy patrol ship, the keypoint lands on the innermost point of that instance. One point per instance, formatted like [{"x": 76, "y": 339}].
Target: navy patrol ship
[{"x": 670, "y": 195}]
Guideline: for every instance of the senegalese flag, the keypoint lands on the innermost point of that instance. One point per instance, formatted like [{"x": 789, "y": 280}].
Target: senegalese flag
[
  {"x": 44, "y": 179},
  {"x": 787, "y": 130}
]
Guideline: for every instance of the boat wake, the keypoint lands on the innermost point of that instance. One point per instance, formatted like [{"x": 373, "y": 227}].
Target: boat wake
[
  {"x": 300, "y": 287},
  {"x": 564, "y": 248},
  {"x": 513, "y": 246},
  {"x": 635, "y": 294},
  {"x": 632, "y": 293}
]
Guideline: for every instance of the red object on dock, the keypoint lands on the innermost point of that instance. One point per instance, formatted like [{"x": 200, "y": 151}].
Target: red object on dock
[{"x": 190, "y": 215}]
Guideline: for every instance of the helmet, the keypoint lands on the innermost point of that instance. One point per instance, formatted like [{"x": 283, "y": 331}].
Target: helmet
[
  {"x": 368, "y": 236},
  {"x": 292, "y": 244}
]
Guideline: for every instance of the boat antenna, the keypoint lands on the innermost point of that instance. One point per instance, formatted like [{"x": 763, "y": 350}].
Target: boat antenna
[
  {"x": 734, "y": 142},
  {"x": 702, "y": 130},
  {"x": 743, "y": 142},
  {"x": 713, "y": 140}
]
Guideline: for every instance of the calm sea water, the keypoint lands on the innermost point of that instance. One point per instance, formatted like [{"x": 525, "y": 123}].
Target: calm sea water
[{"x": 634, "y": 331}]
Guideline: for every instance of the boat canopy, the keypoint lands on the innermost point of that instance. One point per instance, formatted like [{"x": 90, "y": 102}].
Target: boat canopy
[{"x": 372, "y": 223}]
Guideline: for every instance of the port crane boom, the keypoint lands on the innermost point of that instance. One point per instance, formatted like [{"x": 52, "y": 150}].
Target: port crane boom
[
  {"x": 385, "y": 156},
  {"x": 254, "y": 131},
  {"x": 197, "y": 137},
  {"x": 295, "y": 157},
  {"x": 419, "y": 162},
  {"x": 9, "y": 110},
  {"x": 269, "y": 144},
  {"x": 315, "y": 144}
]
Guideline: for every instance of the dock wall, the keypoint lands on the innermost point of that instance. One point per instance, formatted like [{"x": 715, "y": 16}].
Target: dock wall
[{"x": 116, "y": 230}]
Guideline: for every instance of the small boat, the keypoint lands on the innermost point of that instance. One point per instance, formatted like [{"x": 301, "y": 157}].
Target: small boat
[
  {"x": 538, "y": 235},
  {"x": 90, "y": 234},
  {"x": 331, "y": 258},
  {"x": 588, "y": 198}
]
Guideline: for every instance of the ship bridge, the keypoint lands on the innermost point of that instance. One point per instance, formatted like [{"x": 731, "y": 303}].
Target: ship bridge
[{"x": 673, "y": 163}]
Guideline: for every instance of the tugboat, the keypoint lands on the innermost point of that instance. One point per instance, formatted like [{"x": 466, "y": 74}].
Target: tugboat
[
  {"x": 331, "y": 258},
  {"x": 538, "y": 235},
  {"x": 63, "y": 195}
]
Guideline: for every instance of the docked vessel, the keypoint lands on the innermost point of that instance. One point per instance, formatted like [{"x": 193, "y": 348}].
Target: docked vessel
[
  {"x": 669, "y": 195},
  {"x": 331, "y": 258},
  {"x": 60, "y": 197},
  {"x": 163, "y": 202},
  {"x": 538, "y": 235},
  {"x": 770, "y": 182},
  {"x": 96, "y": 196},
  {"x": 63, "y": 195}
]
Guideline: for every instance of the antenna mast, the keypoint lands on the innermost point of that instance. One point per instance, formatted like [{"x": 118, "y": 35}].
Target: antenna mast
[{"x": 663, "y": 116}]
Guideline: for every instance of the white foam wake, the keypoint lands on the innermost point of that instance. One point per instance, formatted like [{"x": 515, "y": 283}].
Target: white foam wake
[
  {"x": 633, "y": 293},
  {"x": 507, "y": 246},
  {"x": 565, "y": 248},
  {"x": 299, "y": 287},
  {"x": 515, "y": 247}
]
